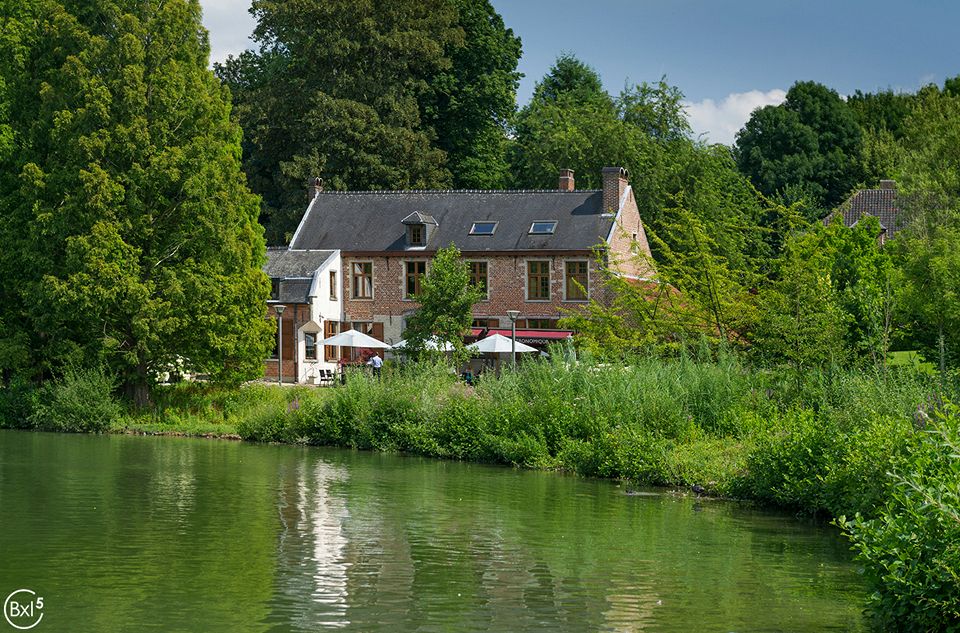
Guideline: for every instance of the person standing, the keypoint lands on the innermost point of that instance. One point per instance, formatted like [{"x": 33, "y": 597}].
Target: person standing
[{"x": 376, "y": 362}]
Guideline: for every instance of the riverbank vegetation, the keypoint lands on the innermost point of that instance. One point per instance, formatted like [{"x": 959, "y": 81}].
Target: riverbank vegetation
[
  {"x": 821, "y": 446},
  {"x": 911, "y": 550}
]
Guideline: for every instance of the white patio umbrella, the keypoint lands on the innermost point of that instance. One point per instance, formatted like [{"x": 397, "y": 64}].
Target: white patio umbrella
[
  {"x": 499, "y": 344},
  {"x": 352, "y": 338},
  {"x": 431, "y": 343}
]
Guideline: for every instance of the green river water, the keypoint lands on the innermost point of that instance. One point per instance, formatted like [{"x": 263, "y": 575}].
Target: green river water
[{"x": 167, "y": 534}]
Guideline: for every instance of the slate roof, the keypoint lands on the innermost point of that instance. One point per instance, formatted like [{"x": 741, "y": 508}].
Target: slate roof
[
  {"x": 293, "y": 291},
  {"x": 418, "y": 218},
  {"x": 371, "y": 221},
  {"x": 881, "y": 203},
  {"x": 283, "y": 263}
]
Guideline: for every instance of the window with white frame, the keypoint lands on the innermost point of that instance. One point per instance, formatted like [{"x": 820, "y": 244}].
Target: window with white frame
[
  {"x": 543, "y": 227},
  {"x": 310, "y": 346},
  {"x": 483, "y": 228}
]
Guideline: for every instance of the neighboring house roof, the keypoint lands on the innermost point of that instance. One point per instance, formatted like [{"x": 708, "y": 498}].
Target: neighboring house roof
[
  {"x": 372, "y": 221},
  {"x": 295, "y": 270},
  {"x": 283, "y": 263},
  {"x": 880, "y": 203},
  {"x": 294, "y": 291}
]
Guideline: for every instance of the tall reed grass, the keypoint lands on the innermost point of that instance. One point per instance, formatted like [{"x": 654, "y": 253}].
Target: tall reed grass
[{"x": 822, "y": 446}]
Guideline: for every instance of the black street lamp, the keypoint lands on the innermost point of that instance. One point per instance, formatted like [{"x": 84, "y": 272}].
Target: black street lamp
[{"x": 512, "y": 315}]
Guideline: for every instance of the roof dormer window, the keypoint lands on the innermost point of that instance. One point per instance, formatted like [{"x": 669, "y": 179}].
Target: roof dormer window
[
  {"x": 419, "y": 227},
  {"x": 415, "y": 235},
  {"x": 483, "y": 228},
  {"x": 543, "y": 227}
]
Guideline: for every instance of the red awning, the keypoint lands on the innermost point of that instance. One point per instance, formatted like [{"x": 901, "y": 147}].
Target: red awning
[{"x": 553, "y": 335}]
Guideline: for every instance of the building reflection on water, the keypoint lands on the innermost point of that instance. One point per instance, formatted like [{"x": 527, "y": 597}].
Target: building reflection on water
[{"x": 312, "y": 547}]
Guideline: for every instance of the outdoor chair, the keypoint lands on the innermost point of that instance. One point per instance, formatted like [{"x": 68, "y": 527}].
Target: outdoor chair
[{"x": 326, "y": 377}]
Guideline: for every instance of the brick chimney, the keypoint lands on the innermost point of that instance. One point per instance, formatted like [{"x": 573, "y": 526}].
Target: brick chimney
[
  {"x": 888, "y": 184},
  {"x": 566, "y": 180},
  {"x": 614, "y": 184},
  {"x": 315, "y": 187}
]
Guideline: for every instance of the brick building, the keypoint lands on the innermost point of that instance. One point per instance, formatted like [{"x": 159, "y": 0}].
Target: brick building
[{"x": 532, "y": 251}]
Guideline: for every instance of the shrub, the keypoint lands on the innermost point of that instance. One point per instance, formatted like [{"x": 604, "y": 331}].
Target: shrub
[
  {"x": 265, "y": 423},
  {"x": 81, "y": 401},
  {"x": 461, "y": 432},
  {"x": 911, "y": 551},
  {"x": 16, "y": 405},
  {"x": 789, "y": 461}
]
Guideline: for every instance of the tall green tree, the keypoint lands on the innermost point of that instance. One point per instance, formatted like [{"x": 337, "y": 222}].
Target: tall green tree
[
  {"x": 812, "y": 140},
  {"x": 130, "y": 237},
  {"x": 401, "y": 95},
  {"x": 569, "y": 75},
  {"x": 799, "y": 321},
  {"x": 882, "y": 110},
  {"x": 703, "y": 218},
  {"x": 445, "y": 310},
  {"x": 472, "y": 101},
  {"x": 926, "y": 250},
  {"x": 711, "y": 295},
  {"x": 570, "y": 122},
  {"x": 703, "y": 287},
  {"x": 17, "y": 38},
  {"x": 335, "y": 90},
  {"x": 929, "y": 297}
]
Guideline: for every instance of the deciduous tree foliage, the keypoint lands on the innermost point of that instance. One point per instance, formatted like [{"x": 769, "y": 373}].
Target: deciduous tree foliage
[
  {"x": 812, "y": 140},
  {"x": 928, "y": 250},
  {"x": 129, "y": 235},
  {"x": 335, "y": 90},
  {"x": 357, "y": 92},
  {"x": 799, "y": 322},
  {"x": 830, "y": 300},
  {"x": 572, "y": 123},
  {"x": 882, "y": 110},
  {"x": 471, "y": 103},
  {"x": 446, "y": 301}
]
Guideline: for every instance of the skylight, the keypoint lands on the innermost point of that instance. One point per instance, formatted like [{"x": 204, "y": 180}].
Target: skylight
[
  {"x": 483, "y": 228},
  {"x": 543, "y": 227}
]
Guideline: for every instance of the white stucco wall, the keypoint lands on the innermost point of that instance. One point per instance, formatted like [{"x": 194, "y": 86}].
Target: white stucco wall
[{"x": 322, "y": 309}]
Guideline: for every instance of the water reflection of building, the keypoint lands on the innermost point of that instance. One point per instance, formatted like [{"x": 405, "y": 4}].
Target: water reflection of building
[{"x": 312, "y": 590}]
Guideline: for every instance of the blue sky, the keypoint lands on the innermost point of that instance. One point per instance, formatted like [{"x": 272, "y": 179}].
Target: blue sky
[{"x": 728, "y": 57}]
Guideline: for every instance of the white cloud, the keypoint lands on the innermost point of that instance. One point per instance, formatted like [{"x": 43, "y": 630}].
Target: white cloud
[
  {"x": 230, "y": 25},
  {"x": 720, "y": 122}
]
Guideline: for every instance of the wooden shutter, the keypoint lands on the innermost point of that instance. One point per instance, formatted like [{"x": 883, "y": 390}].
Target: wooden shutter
[
  {"x": 377, "y": 332},
  {"x": 329, "y": 329}
]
